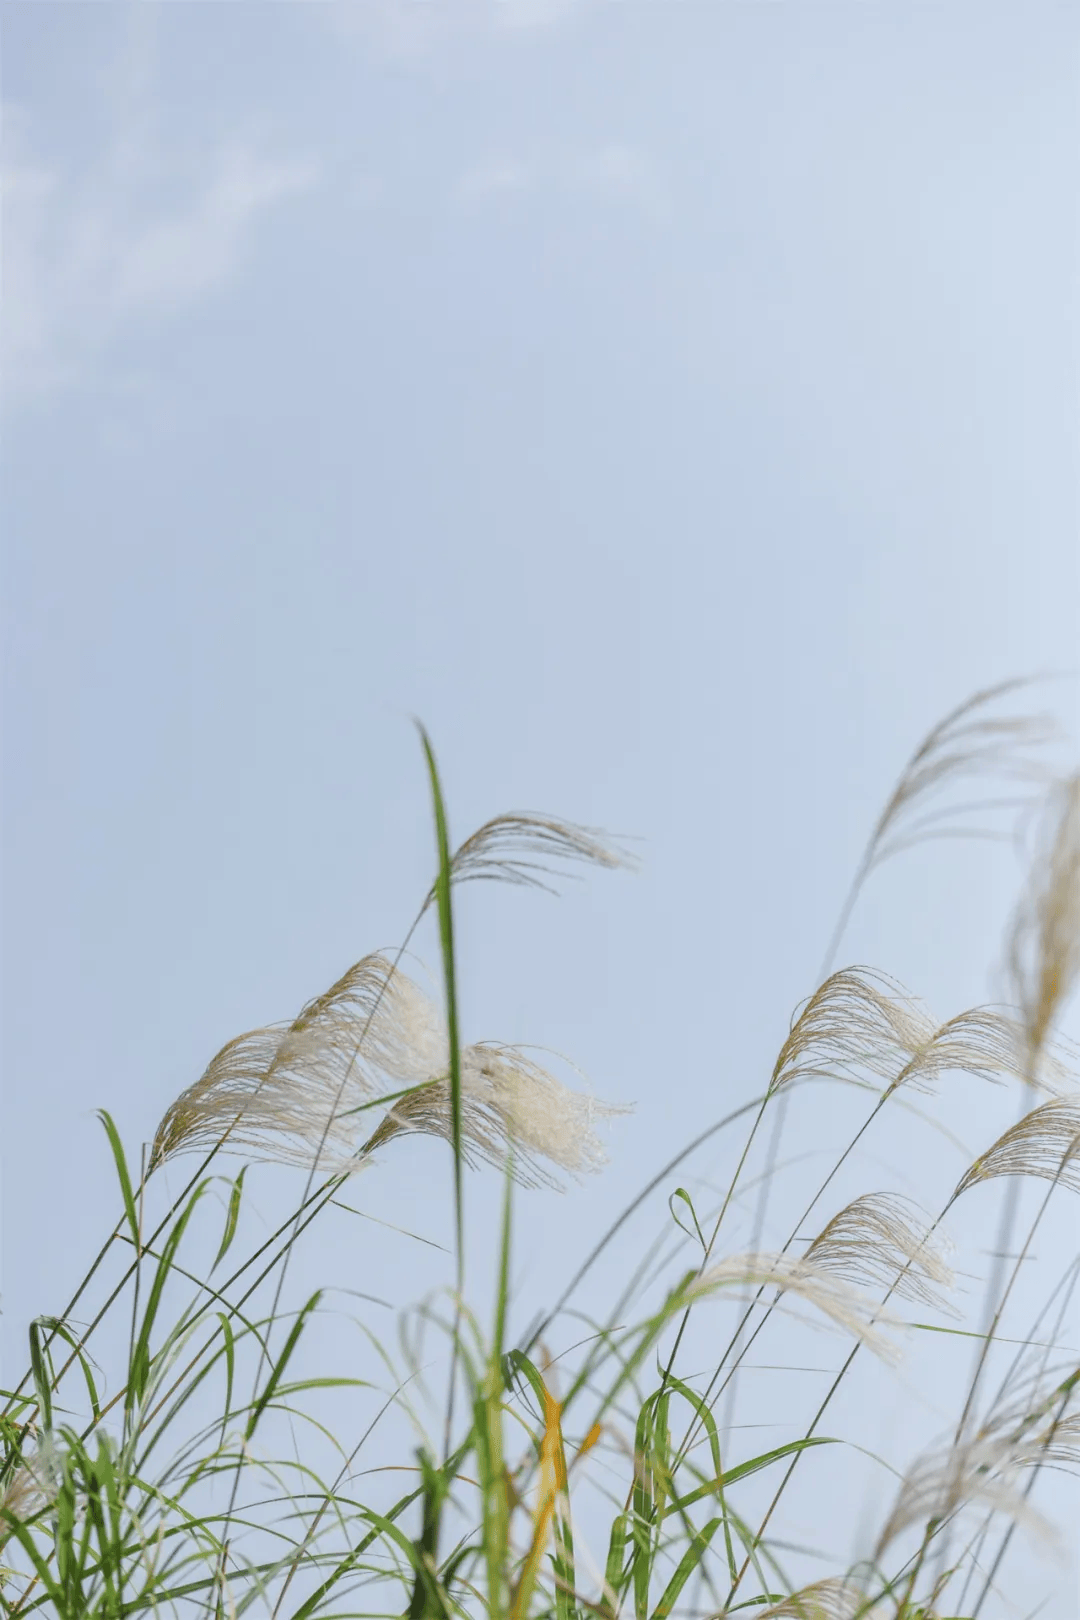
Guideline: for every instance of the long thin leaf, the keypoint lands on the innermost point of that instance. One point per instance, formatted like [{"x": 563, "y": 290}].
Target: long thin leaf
[{"x": 690, "y": 1560}]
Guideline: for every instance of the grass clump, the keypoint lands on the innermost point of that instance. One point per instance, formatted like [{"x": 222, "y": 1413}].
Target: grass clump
[{"x": 171, "y": 1451}]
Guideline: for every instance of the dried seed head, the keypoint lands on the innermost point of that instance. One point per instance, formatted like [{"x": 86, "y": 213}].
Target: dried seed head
[
  {"x": 287, "y": 1092},
  {"x": 878, "y": 1241},
  {"x": 857, "y": 1024},
  {"x": 981, "y": 1473},
  {"x": 524, "y": 848},
  {"x": 837, "y": 1598},
  {"x": 862, "y": 1026},
  {"x": 990, "y": 1045},
  {"x": 1037, "y": 1426},
  {"x": 842, "y": 1304},
  {"x": 33, "y": 1482},
  {"x": 301, "y": 1093},
  {"x": 1057, "y": 1443},
  {"x": 23, "y": 1495},
  {"x": 987, "y": 1471},
  {"x": 512, "y": 1111},
  {"x": 1044, "y": 943},
  {"x": 979, "y": 739},
  {"x": 1045, "y": 1143}
]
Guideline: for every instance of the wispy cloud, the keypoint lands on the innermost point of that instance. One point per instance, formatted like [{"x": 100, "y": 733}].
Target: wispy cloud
[
  {"x": 622, "y": 173},
  {"x": 613, "y": 172},
  {"x": 493, "y": 177},
  {"x": 89, "y": 254},
  {"x": 405, "y": 28}
]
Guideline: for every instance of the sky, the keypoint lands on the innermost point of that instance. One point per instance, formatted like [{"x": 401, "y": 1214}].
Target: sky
[{"x": 672, "y": 406}]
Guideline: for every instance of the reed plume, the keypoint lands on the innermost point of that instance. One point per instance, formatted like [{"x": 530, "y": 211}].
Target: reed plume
[
  {"x": 1045, "y": 1143},
  {"x": 836, "y": 1598},
  {"x": 296, "y": 1093},
  {"x": 985, "y": 1472},
  {"x": 864, "y": 1027},
  {"x": 1044, "y": 941},
  {"x": 877, "y": 1240},
  {"x": 281, "y": 1089},
  {"x": 991, "y": 1045},
  {"x": 858, "y": 1023},
  {"x": 524, "y": 848},
  {"x": 988, "y": 1469},
  {"x": 976, "y": 740},
  {"x": 835, "y": 1298},
  {"x": 1037, "y": 1424},
  {"x": 513, "y": 1113},
  {"x": 32, "y": 1482}
]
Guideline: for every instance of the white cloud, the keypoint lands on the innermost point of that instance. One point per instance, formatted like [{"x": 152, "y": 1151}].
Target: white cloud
[
  {"x": 88, "y": 256},
  {"x": 406, "y": 28},
  {"x": 521, "y": 14},
  {"x": 616, "y": 173},
  {"x": 495, "y": 177},
  {"x": 620, "y": 172}
]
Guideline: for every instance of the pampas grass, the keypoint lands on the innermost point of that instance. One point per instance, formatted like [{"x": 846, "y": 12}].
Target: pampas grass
[
  {"x": 300, "y": 1093},
  {"x": 879, "y": 1241},
  {"x": 1045, "y": 1143},
  {"x": 207, "y": 1465}
]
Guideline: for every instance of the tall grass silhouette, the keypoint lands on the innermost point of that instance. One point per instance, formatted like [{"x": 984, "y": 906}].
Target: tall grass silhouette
[{"x": 168, "y": 1450}]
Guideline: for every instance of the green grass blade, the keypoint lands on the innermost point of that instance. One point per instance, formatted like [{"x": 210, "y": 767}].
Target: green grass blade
[
  {"x": 690, "y": 1560},
  {"x": 444, "y": 901},
  {"x": 139, "y": 1368},
  {"x": 260, "y": 1404},
  {"x": 615, "y": 1565},
  {"x": 231, "y": 1218},
  {"x": 752, "y": 1466},
  {"x": 42, "y": 1373},
  {"x": 122, "y": 1173}
]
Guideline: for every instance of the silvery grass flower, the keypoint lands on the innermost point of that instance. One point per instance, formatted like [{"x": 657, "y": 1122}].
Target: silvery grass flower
[
  {"x": 513, "y": 1113},
  {"x": 845, "y": 1306},
  {"x": 33, "y": 1482},
  {"x": 1045, "y": 1143},
  {"x": 991, "y": 1470},
  {"x": 878, "y": 1240},
  {"x": 982, "y": 1473},
  {"x": 1039, "y": 1423},
  {"x": 835, "y": 1598},
  {"x": 302, "y": 1093},
  {"x": 979, "y": 740},
  {"x": 527, "y": 848},
  {"x": 862, "y": 1026},
  {"x": 1044, "y": 942}
]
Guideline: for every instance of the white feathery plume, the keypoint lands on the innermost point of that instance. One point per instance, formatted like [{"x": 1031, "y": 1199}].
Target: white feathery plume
[
  {"x": 1057, "y": 1444},
  {"x": 1037, "y": 1425},
  {"x": 1045, "y": 1143},
  {"x": 991, "y": 1045},
  {"x": 520, "y": 847},
  {"x": 278, "y": 1090},
  {"x": 297, "y": 1093},
  {"x": 836, "y": 1598},
  {"x": 987, "y": 1471},
  {"x": 22, "y": 1496},
  {"x": 984, "y": 1472},
  {"x": 33, "y": 1482},
  {"x": 976, "y": 740},
  {"x": 512, "y": 1111},
  {"x": 842, "y": 1304},
  {"x": 862, "y": 1026},
  {"x": 877, "y": 1240},
  {"x": 1044, "y": 942},
  {"x": 857, "y": 1023}
]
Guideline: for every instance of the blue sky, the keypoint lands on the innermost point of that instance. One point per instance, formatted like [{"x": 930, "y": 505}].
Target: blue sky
[{"x": 674, "y": 406}]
